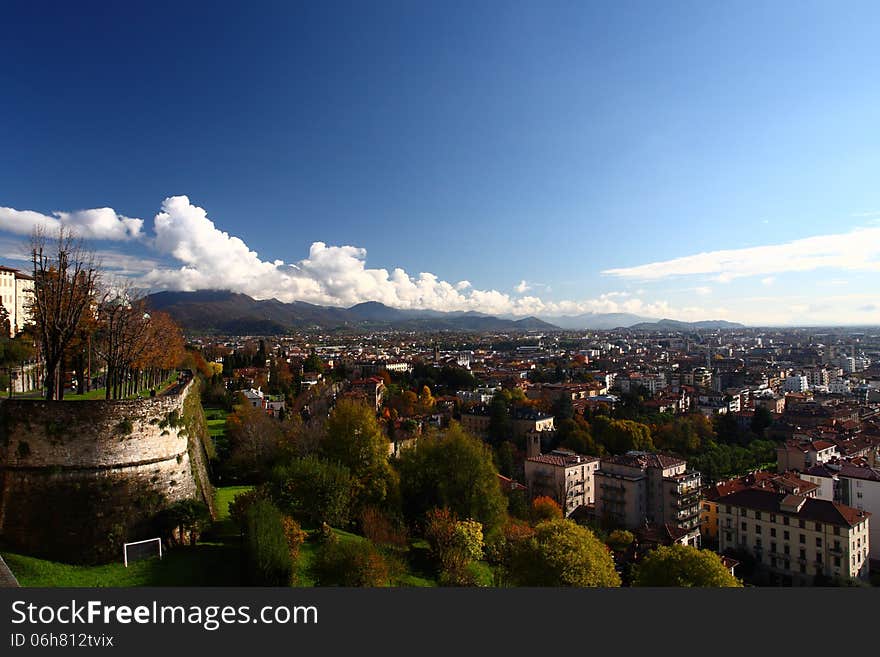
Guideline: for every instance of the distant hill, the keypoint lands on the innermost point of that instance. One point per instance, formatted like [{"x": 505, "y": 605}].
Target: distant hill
[
  {"x": 675, "y": 325},
  {"x": 597, "y": 321},
  {"x": 225, "y": 312}
]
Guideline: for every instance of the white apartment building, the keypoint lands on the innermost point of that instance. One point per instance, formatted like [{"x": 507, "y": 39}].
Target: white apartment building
[
  {"x": 854, "y": 485},
  {"x": 796, "y": 383},
  {"x": 793, "y": 537},
  {"x": 16, "y": 289},
  {"x": 563, "y": 475}
]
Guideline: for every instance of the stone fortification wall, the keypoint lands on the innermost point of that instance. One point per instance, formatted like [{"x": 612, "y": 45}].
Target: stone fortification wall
[{"x": 79, "y": 478}]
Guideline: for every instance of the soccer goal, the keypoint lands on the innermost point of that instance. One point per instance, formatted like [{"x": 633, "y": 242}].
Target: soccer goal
[{"x": 138, "y": 550}]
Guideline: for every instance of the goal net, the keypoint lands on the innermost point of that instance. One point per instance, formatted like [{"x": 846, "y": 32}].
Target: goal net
[{"x": 139, "y": 550}]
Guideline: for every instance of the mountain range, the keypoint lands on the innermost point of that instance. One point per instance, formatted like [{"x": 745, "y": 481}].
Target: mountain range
[{"x": 231, "y": 313}]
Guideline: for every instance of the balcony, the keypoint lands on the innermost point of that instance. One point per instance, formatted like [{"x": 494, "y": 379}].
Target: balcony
[{"x": 693, "y": 499}]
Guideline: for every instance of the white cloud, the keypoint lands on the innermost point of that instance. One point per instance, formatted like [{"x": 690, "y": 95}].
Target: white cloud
[
  {"x": 856, "y": 250},
  {"x": 97, "y": 223},
  {"x": 338, "y": 275},
  {"x": 768, "y": 281},
  {"x": 703, "y": 290}
]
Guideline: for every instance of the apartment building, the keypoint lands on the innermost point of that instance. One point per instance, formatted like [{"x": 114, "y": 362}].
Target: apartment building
[
  {"x": 801, "y": 456},
  {"x": 853, "y": 484},
  {"x": 563, "y": 475},
  {"x": 639, "y": 487},
  {"x": 795, "y": 538},
  {"x": 788, "y": 482},
  {"x": 16, "y": 289}
]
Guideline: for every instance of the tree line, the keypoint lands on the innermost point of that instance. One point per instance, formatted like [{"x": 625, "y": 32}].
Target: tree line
[{"x": 86, "y": 321}]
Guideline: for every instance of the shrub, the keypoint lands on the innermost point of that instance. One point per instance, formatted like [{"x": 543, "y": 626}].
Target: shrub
[
  {"x": 350, "y": 563},
  {"x": 267, "y": 552},
  {"x": 381, "y": 529}
]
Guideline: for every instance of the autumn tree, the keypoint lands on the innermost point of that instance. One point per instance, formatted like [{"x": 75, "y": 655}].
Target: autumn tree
[
  {"x": 683, "y": 565},
  {"x": 562, "y": 553},
  {"x": 65, "y": 278},
  {"x": 545, "y": 508},
  {"x": 254, "y": 442},
  {"x": 453, "y": 470},
  {"x": 355, "y": 440},
  {"x": 454, "y": 544}
]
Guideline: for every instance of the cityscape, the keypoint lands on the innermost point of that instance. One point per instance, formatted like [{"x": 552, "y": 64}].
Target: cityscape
[{"x": 421, "y": 295}]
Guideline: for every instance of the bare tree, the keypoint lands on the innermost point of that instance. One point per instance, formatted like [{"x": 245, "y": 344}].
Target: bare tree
[
  {"x": 123, "y": 335},
  {"x": 65, "y": 276}
]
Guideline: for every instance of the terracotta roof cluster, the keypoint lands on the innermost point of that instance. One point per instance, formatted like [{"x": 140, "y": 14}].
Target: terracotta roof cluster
[{"x": 787, "y": 482}]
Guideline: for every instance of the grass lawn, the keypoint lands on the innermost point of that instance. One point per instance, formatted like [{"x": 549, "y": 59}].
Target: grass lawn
[
  {"x": 213, "y": 562},
  {"x": 206, "y": 564}
]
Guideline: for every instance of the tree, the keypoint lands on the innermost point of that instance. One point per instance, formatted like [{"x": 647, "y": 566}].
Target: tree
[
  {"x": 452, "y": 470},
  {"x": 619, "y": 540},
  {"x": 562, "y": 553},
  {"x": 762, "y": 419},
  {"x": 562, "y": 408},
  {"x": 314, "y": 490},
  {"x": 355, "y": 439},
  {"x": 65, "y": 277},
  {"x": 545, "y": 508},
  {"x": 683, "y": 565},
  {"x": 188, "y": 516},
  {"x": 620, "y": 436},
  {"x": 254, "y": 442},
  {"x": 500, "y": 423},
  {"x": 454, "y": 544}
]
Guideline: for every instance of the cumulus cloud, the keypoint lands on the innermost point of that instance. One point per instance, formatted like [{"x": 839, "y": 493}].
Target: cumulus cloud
[
  {"x": 335, "y": 275},
  {"x": 192, "y": 253},
  {"x": 856, "y": 250},
  {"x": 97, "y": 223}
]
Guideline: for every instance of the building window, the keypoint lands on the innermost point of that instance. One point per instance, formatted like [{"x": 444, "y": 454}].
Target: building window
[
  {"x": 803, "y": 553},
  {"x": 785, "y": 534},
  {"x": 837, "y": 531},
  {"x": 818, "y": 542},
  {"x": 757, "y": 528},
  {"x": 757, "y": 515},
  {"x": 773, "y": 531},
  {"x": 803, "y": 539},
  {"x": 837, "y": 561},
  {"x": 744, "y": 526},
  {"x": 786, "y": 549},
  {"x": 772, "y": 517},
  {"x": 818, "y": 526},
  {"x": 785, "y": 520},
  {"x": 802, "y": 523}
]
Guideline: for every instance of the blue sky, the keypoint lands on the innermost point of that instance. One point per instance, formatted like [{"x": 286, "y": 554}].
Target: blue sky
[{"x": 528, "y": 158}]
